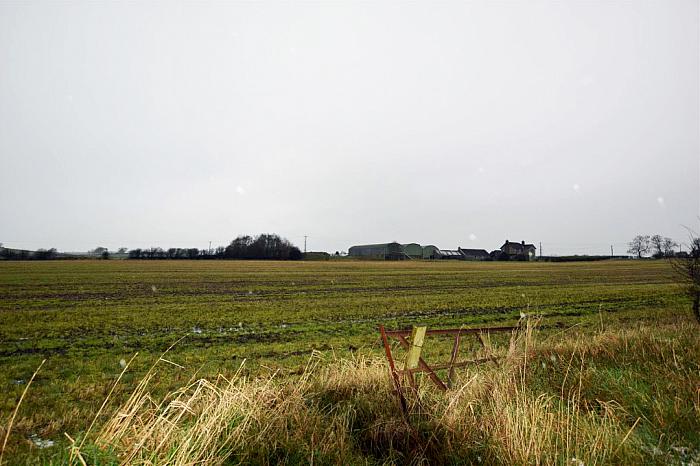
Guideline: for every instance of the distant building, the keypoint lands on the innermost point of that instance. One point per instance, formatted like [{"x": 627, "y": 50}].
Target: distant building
[
  {"x": 387, "y": 251},
  {"x": 450, "y": 254},
  {"x": 413, "y": 250},
  {"x": 474, "y": 254},
  {"x": 396, "y": 251},
  {"x": 518, "y": 251},
  {"x": 431, "y": 252},
  {"x": 316, "y": 256}
]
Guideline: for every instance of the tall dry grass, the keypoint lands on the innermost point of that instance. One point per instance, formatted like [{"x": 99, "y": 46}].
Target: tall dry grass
[{"x": 345, "y": 412}]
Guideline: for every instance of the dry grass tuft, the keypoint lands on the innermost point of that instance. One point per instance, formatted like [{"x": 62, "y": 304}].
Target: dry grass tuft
[{"x": 344, "y": 412}]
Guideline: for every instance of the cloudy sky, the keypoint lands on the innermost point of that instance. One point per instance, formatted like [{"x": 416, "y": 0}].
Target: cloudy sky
[{"x": 571, "y": 123}]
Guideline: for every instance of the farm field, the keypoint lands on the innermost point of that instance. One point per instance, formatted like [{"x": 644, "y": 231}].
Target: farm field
[{"x": 86, "y": 318}]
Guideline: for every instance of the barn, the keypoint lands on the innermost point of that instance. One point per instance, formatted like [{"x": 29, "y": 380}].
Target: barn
[
  {"x": 450, "y": 254},
  {"x": 413, "y": 250},
  {"x": 388, "y": 251},
  {"x": 474, "y": 254},
  {"x": 431, "y": 252}
]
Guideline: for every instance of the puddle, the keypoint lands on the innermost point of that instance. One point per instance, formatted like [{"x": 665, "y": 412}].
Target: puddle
[{"x": 40, "y": 442}]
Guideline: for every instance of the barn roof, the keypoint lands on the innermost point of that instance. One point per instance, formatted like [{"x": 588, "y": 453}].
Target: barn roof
[
  {"x": 377, "y": 245},
  {"x": 475, "y": 252}
]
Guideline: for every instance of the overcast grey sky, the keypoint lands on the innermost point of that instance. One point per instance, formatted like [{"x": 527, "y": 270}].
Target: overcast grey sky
[{"x": 573, "y": 123}]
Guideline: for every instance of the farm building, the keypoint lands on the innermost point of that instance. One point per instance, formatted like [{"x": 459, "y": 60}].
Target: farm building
[
  {"x": 450, "y": 254},
  {"x": 431, "y": 252},
  {"x": 518, "y": 251},
  {"x": 389, "y": 251},
  {"x": 316, "y": 256},
  {"x": 413, "y": 250},
  {"x": 396, "y": 251},
  {"x": 474, "y": 254}
]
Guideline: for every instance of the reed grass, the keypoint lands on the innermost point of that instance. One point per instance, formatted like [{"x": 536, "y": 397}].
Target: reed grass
[{"x": 344, "y": 411}]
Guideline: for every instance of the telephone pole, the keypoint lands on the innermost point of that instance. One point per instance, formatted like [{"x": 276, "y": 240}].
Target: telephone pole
[
  {"x": 540, "y": 249},
  {"x": 305, "y": 243}
]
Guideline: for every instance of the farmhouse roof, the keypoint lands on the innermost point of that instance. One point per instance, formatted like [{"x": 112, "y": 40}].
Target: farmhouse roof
[{"x": 521, "y": 245}]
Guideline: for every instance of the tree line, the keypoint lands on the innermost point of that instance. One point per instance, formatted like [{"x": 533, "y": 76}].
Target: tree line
[
  {"x": 656, "y": 245},
  {"x": 262, "y": 247}
]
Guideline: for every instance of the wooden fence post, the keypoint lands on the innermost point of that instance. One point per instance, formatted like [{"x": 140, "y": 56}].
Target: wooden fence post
[{"x": 413, "y": 354}]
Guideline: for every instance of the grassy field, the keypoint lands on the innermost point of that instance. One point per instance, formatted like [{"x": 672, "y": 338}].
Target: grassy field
[{"x": 88, "y": 317}]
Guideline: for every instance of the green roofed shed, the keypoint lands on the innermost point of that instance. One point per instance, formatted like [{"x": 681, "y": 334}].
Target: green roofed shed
[
  {"x": 413, "y": 250},
  {"x": 389, "y": 251},
  {"x": 431, "y": 252}
]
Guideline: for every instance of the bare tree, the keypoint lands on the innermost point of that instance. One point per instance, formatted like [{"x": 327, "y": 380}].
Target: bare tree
[
  {"x": 662, "y": 246},
  {"x": 639, "y": 246},
  {"x": 657, "y": 245},
  {"x": 688, "y": 271},
  {"x": 669, "y": 247}
]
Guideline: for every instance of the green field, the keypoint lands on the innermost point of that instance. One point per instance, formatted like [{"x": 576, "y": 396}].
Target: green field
[{"x": 85, "y": 317}]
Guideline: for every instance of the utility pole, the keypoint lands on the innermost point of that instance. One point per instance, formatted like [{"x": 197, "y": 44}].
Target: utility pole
[
  {"x": 540, "y": 249},
  {"x": 305, "y": 243},
  {"x": 210, "y": 248}
]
